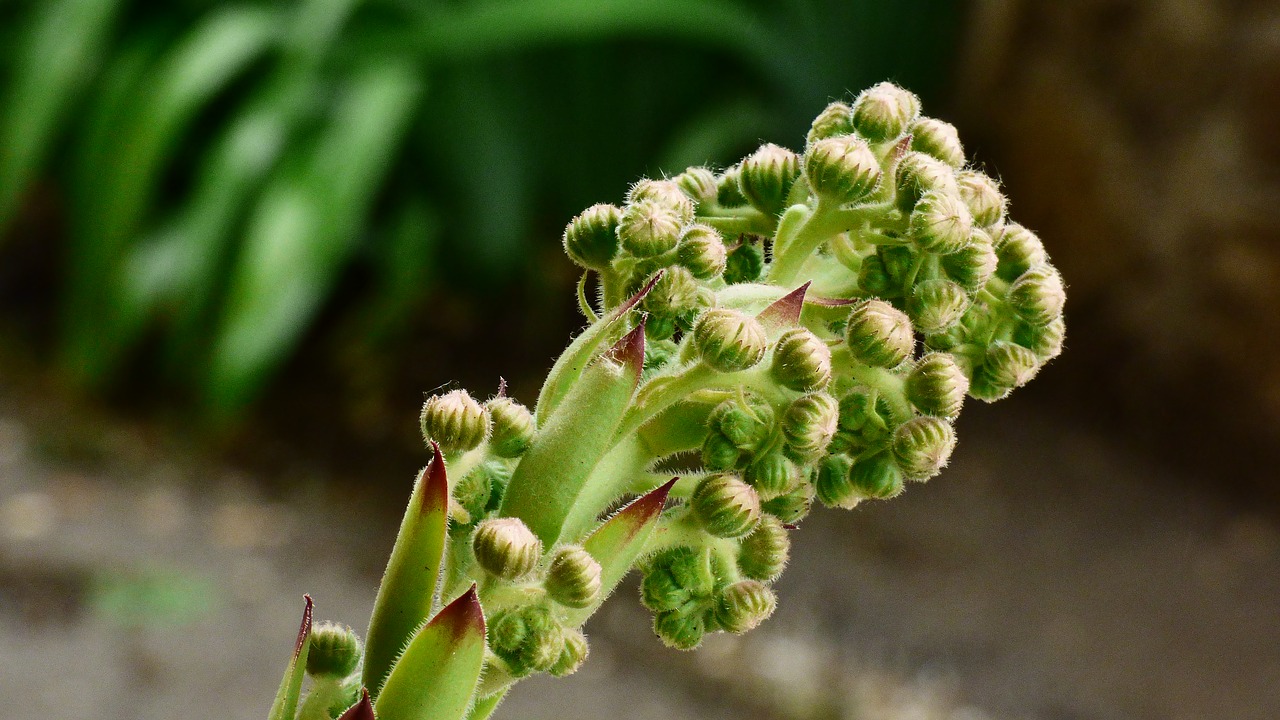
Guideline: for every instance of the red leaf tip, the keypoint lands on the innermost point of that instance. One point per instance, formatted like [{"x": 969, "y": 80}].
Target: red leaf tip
[
  {"x": 435, "y": 482},
  {"x": 463, "y": 615},
  {"x": 635, "y": 299},
  {"x": 362, "y": 710},
  {"x": 304, "y": 630},
  {"x": 629, "y": 351},
  {"x": 785, "y": 311}
]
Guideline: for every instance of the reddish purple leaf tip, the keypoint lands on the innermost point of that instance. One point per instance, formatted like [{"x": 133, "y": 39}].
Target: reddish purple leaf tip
[
  {"x": 629, "y": 351},
  {"x": 304, "y": 630},
  {"x": 635, "y": 299},
  {"x": 435, "y": 480},
  {"x": 463, "y": 616},
  {"x": 785, "y": 311},
  {"x": 362, "y": 710}
]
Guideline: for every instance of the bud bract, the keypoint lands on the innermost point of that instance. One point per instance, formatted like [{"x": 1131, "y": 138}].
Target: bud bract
[
  {"x": 981, "y": 193},
  {"x": 937, "y": 305},
  {"x": 1018, "y": 250},
  {"x": 1044, "y": 340},
  {"x": 666, "y": 193},
  {"x": 1008, "y": 365},
  {"x": 882, "y": 112},
  {"x": 725, "y": 505},
  {"x": 809, "y": 424},
  {"x": 937, "y": 385},
  {"x": 766, "y": 177},
  {"x": 702, "y": 251},
  {"x": 475, "y": 490},
  {"x": 744, "y": 605},
  {"x": 876, "y": 476},
  {"x": 528, "y": 639},
  {"x": 454, "y": 420},
  {"x": 744, "y": 263},
  {"x": 682, "y": 630},
  {"x": 512, "y": 427},
  {"x": 834, "y": 120},
  {"x": 591, "y": 238},
  {"x": 879, "y": 334},
  {"x": 938, "y": 139},
  {"x": 973, "y": 265},
  {"x": 699, "y": 184},
  {"x": 573, "y": 655},
  {"x": 762, "y": 555},
  {"x": 506, "y": 547},
  {"x": 792, "y": 507},
  {"x": 941, "y": 223},
  {"x": 841, "y": 169},
  {"x": 573, "y": 579},
  {"x": 834, "y": 489},
  {"x": 917, "y": 174},
  {"x": 746, "y": 422},
  {"x": 719, "y": 452},
  {"x": 863, "y": 423},
  {"x": 648, "y": 228},
  {"x": 1038, "y": 295},
  {"x": 801, "y": 361},
  {"x": 335, "y": 651},
  {"x": 922, "y": 446},
  {"x": 729, "y": 340},
  {"x": 729, "y": 189},
  {"x": 772, "y": 474}
]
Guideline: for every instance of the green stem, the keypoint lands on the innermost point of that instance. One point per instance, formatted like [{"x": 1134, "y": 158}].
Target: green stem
[
  {"x": 758, "y": 224},
  {"x": 664, "y": 391},
  {"x": 889, "y": 386},
  {"x": 791, "y": 252}
]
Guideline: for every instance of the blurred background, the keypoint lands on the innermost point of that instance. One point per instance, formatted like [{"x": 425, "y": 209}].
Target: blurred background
[{"x": 240, "y": 240}]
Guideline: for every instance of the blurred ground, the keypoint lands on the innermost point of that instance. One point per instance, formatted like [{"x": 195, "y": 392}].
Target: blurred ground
[{"x": 1049, "y": 573}]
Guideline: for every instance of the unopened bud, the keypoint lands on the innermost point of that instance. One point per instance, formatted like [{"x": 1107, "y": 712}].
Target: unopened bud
[
  {"x": 744, "y": 263},
  {"x": 573, "y": 579},
  {"x": 941, "y": 223},
  {"x": 937, "y": 385},
  {"x": 809, "y": 424},
  {"x": 335, "y": 651},
  {"x": 747, "y": 423},
  {"x": 917, "y": 174},
  {"x": 475, "y": 490},
  {"x": 666, "y": 193},
  {"x": 834, "y": 120},
  {"x": 792, "y": 507},
  {"x": 766, "y": 177},
  {"x": 744, "y": 605},
  {"x": 937, "y": 305},
  {"x": 506, "y": 547},
  {"x": 648, "y": 228},
  {"x": 873, "y": 278},
  {"x": 762, "y": 555},
  {"x": 882, "y": 112},
  {"x": 682, "y": 630},
  {"x": 725, "y": 505},
  {"x": 1018, "y": 250},
  {"x": 702, "y": 251},
  {"x": 938, "y": 139},
  {"x": 454, "y": 420},
  {"x": 719, "y": 452},
  {"x": 834, "y": 489},
  {"x": 1038, "y": 296},
  {"x": 772, "y": 475},
  {"x": 591, "y": 238},
  {"x": 573, "y": 655},
  {"x": 528, "y": 639},
  {"x": 922, "y": 446},
  {"x": 674, "y": 292},
  {"x": 973, "y": 265},
  {"x": 729, "y": 340},
  {"x": 1044, "y": 340},
  {"x": 699, "y": 184},
  {"x": 879, "y": 334},
  {"x": 981, "y": 193},
  {"x": 841, "y": 169},
  {"x": 863, "y": 423},
  {"x": 876, "y": 476},
  {"x": 801, "y": 361},
  {"x": 1007, "y": 365},
  {"x": 729, "y": 188},
  {"x": 513, "y": 427}
]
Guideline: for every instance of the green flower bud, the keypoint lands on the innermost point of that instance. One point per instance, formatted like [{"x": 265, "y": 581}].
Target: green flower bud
[
  {"x": 719, "y": 452},
  {"x": 506, "y": 547},
  {"x": 744, "y": 263},
  {"x": 834, "y": 489},
  {"x": 937, "y": 305},
  {"x": 809, "y": 424},
  {"x": 922, "y": 446},
  {"x": 454, "y": 420},
  {"x": 1038, "y": 296},
  {"x": 937, "y": 385},
  {"x": 1044, "y": 340},
  {"x": 876, "y": 476},
  {"x": 729, "y": 188},
  {"x": 675, "y": 291},
  {"x": 513, "y": 427},
  {"x": 792, "y": 507},
  {"x": 763, "y": 554},
  {"x": 1018, "y": 250},
  {"x": 834, "y": 120},
  {"x": 702, "y": 251},
  {"x": 981, "y": 193},
  {"x": 772, "y": 475},
  {"x": 699, "y": 184},
  {"x": 648, "y": 228},
  {"x": 841, "y": 169},
  {"x": 725, "y": 505},
  {"x": 528, "y": 639},
  {"x": 973, "y": 265},
  {"x": 941, "y": 223},
  {"x": 801, "y": 361},
  {"x": 879, "y": 334},
  {"x": 938, "y": 139},
  {"x": 475, "y": 489},
  {"x": 746, "y": 426},
  {"x": 882, "y": 112},
  {"x": 863, "y": 423},
  {"x": 1007, "y": 365},
  {"x": 573, "y": 655},
  {"x": 873, "y": 278},
  {"x": 766, "y": 177},
  {"x": 335, "y": 651},
  {"x": 573, "y": 579},
  {"x": 666, "y": 193},
  {"x": 591, "y": 238},
  {"x": 744, "y": 605},
  {"x": 660, "y": 591},
  {"x": 729, "y": 340},
  {"x": 918, "y": 174},
  {"x": 679, "y": 630}
]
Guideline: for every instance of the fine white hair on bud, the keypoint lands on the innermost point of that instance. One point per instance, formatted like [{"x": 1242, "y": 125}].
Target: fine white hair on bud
[
  {"x": 666, "y": 193},
  {"x": 1038, "y": 295},
  {"x": 766, "y": 176},
  {"x": 916, "y": 174},
  {"x": 1017, "y": 250},
  {"x": 725, "y": 506},
  {"x": 763, "y": 553},
  {"x": 937, "y": 305},
  {"x": 884, "y": 111},
  {"x": 648, "y": 228},
  {"x": 513, "y": 427},
  {"x": 699, "y": 184},
  {"x": 922, "y": 446},
  {"x": 506, "y": 547},
  {"x": 841, "y": 169},
  {"x": 981, "y": 193},
  {"x": 938, "y": 139},
  {"x": 454, "y": 420},
  {"x": 973, "y": 265},
  {"x": 835, "y": 119},
  {"x": 573, "y": 578},
  {"x": 335, "y": 651},
  {"x": 701, "y": 250},
  {"x": 879, "y": 334},
  {"x": 809, "y": 424},
  {"x": 936, "y": 385},
  {"x": 941, "y": 223},
  {"x": 728, "y": 340},
  {"x": 801, "y": 361},
  {"x": 591, "y": 238},
  {"x": 744, "y": 605}
]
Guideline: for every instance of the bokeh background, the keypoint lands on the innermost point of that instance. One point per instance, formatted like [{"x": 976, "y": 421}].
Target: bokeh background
[{"x": 239, "y": 241}]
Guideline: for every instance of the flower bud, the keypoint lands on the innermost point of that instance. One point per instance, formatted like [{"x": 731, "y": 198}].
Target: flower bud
[
  {"x": 873, "y": 278},
  {"x": 1018, "y": 250},
  {"x": 744, "y": 263},
  {"x": 937, "y": 305},
  {"x": 506, "y": 547},
  {"x": 729, "y": 188},
  {"x": 744, "y": 605},
  {"x": 528, "y": 639},
  {"x": 937, "y": 385},
  {"x": 1007, "y": 365},
  {"x": 922, "y": 446},
  {"x": 882, "y": 112},
  {"x": 680, "y": 629},
  {"x": 725, "y": 506},
  {"x": 876, "y": 476},
  {"x": 335, "y": 651},
  {"x": 702, "y": 251},
  {"x": 879, "y": 334},
  {"x": 863, "y": 423},
  {"x": 841, "y": 169},
  {"x": 665, "y": 193},
  {"x": 941, "y": 223},
  {"x": 772, "y": 475},
  {"x": 801, "y": 361},
  {"x": 1044, "y": 340},
  {"x": 573, "y": 579},
  {"x": 762, "y": 555},
  {"x": 1038, "y": 296},
  {"x": 938, "y": 139},
  {"x": 573, "y": 655},
  {"x": 917, "y": 174},
  {"x": 834, "y": 489},
  {"x": 792, "y": 507},
  {"x": 719, "y": 452},
  {"x": 474, "y": 492},
  {"x": 766, "y": 177},
  {"x": 591, "y": 238},
  {"x": 834, "y": 120},
  {"x": 973, "y": 265},
  {"x": 746, "y": 425},
  {"x": 729, "y": 340},
  {"x": 454, "y": 420},
  {"x": 675, "y": 291},
  {"x": 659, "y": 589},
  {"x": 809, "y": 424},
  {"x": 982, "y": 195},
  {"x": 648, "y": 228},
  {"x": 513, "y": 427},
  {"x": 699, "y": 184}
]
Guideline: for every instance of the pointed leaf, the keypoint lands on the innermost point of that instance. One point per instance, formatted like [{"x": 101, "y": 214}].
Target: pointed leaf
[
  {"x": 286, "y": 702},
  {"x": 439, "y": 670},
  {"x": 785, "y": 312},
  {"x": 485, "y": 706},
  {"x": 362, "y": 710},
  {"x": 408, "y": 588}
]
